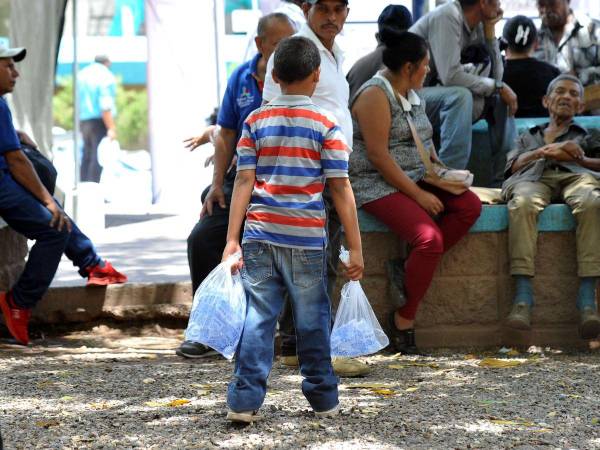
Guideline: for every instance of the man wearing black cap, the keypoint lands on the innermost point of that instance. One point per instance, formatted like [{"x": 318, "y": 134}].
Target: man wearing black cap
[
  {"x": 29, "y": 209},
  {"x": 396, "y": 17}
]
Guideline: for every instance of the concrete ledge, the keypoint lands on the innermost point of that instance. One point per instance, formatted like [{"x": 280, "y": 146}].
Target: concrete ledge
[
  {"x": 494, "y": 218},
  {"x": 131, "y": 301}
]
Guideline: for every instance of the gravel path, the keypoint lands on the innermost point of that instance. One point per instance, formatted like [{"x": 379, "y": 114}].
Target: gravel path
[{"x": 109, "y": 389}]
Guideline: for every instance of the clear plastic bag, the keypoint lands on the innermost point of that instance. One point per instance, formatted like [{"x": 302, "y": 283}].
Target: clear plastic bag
[
  {"x": 356, "y": 331},
  {"x": 109, "y": 151},
  {"x": 219, "y": 310}
]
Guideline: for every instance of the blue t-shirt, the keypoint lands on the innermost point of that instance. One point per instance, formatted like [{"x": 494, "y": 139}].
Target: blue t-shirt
[
  {"x": 97, "y": 91},
  {"x": 242, "y": 96},
  {"x": 9, "y": 140}
]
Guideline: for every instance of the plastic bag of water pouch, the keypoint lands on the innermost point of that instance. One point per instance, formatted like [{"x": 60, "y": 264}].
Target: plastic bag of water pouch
[
  {"x": 219, "y": 310},
  {"x": 356, "y": 331}
]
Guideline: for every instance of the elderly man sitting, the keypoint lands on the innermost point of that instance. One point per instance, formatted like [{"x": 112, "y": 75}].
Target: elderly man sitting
[{"x": 556, "y": 161}]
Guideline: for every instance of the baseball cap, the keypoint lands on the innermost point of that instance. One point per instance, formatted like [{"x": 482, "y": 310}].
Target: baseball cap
[
  {"x": 17, "y": 53},
  {"x": 313, "y": 2},
  {"x": 396, "y": 17}
]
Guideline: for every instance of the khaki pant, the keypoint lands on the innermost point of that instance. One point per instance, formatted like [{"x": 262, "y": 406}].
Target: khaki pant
[{"x": 527, "y": 199}]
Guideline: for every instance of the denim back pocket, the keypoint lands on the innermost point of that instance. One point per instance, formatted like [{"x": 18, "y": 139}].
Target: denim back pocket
[
  {"x": 258, "y": 263},
  {"x": 308, "y": 267}
]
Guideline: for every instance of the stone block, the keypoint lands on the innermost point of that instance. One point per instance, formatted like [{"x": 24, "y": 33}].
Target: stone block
[
  {"x": 502, "y": 255},
  {"x": 556, "y": 254},
  {"x": 465, "y": 336},
  {"x": 555, "y": 298},
  {"x": 459, "y": 300},
  {"x": 378, "y": 248},
  {"x": 13, "y": 251},
  {"x": 475, "y": 254}
]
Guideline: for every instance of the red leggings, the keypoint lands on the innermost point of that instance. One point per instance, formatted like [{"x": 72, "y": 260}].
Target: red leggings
[{"x": 428, "y": 238}]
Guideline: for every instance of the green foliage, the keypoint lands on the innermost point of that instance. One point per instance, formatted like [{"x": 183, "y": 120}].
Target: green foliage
[
  {"x": 132, "y": 113},
  {"x": 62, "y": 104},
  {"x": 132, "y": 118}
]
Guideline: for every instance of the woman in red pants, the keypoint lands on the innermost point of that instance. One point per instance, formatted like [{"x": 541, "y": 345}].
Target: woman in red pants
[{"x": 387, "y": 174}]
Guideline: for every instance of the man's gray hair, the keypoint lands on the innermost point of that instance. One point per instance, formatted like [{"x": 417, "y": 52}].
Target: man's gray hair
[
  {"x": 265, "y": 21},
  {"x": 565, "y": 76}
]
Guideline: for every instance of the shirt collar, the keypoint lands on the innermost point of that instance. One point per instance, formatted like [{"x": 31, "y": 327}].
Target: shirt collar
[
  {"x": 254, "y": 63},
  {"x": 411, "y": 99},
  {"x": 539, "y": 129},
  {"x": 306, "y": 31},
  {"x": 291, "y": 100}
]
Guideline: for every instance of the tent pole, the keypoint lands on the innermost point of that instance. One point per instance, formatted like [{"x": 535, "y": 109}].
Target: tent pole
[{"x": 75, "y": 112}]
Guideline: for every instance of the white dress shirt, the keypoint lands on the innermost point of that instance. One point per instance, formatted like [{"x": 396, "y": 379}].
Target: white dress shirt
[{"x": 332, "y": 92}]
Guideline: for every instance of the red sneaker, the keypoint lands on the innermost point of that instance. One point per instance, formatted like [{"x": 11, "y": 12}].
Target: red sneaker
[
  {"x": 15, "y": 318},
  {"x": 103, "y": 276}
]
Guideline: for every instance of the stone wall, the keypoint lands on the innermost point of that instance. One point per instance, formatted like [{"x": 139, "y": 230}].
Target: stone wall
[
  {"x": 13, "y": 251},
  {"x": 471, "y": 293}
]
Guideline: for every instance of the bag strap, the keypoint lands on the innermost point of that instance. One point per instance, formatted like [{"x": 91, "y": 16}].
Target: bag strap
[{"x": 420, "y": 146}]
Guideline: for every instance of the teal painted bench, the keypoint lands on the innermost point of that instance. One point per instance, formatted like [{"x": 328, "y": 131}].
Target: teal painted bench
[
  {"x": 525, "y": 123},
  {"x": 494, "y": 218}
]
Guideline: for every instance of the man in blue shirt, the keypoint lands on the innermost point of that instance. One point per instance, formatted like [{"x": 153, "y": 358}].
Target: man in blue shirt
[
  {"x": 97, "y": 89},
  {"x": 242, "y": 96},
  {"x": 30, "y": 210}
]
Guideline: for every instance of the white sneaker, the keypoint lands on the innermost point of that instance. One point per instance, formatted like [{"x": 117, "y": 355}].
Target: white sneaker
[
  {"x": 329, "y": 413},
  {"x": 243, "y": 416}
]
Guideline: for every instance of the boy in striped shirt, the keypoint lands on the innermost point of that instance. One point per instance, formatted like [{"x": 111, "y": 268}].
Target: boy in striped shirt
[{"x": 287, "y": 151}]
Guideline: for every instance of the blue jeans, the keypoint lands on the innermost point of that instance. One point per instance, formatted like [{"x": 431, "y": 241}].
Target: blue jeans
[
  {"x": 269, "y": 272},
  {"x": 81, "y": 251},
  {"x": 27, "y": 216},
  {"x": 449, "y": 110}
]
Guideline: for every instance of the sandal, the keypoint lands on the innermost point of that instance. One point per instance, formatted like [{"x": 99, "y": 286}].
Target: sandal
[{"x": 402, "y": 341}]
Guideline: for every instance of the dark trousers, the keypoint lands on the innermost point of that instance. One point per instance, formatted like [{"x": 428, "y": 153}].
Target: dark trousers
[
  {"x": 92, "y": 131},
  {"x": 27, "y": 216}
]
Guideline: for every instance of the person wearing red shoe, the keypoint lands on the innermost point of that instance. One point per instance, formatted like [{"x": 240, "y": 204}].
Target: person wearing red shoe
[{"x": 28, "y": 208}]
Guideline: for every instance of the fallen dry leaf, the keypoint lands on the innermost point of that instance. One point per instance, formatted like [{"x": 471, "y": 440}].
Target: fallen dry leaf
[
  {"x": 495, "y": 363},
  {"x": 367, "y": 386},
  {"x": 384, "y": 392},
  {"x": 170, "y": 404},
  {"x": 413, "y": 364},
  {"x": 412, "y": 389},
  {"x": 47, "y": 423}
]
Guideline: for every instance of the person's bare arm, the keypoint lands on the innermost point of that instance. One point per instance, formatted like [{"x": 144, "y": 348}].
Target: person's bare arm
[
  {"x": 343, "y": 200},
  {"x": 207, "y": 136},
  {"x": 372, "y": 112},
  {"x": 25, "y": 139},
  {"x": 109, "y": 123},
  {"x": 526, "y": 158},
  {"x": 23, "y": 172},
  {"x": 242, "y": 191},
  {"x": 225, "y": 143}
]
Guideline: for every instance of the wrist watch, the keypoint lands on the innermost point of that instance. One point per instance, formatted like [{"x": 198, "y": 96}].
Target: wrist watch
[{"x": 498, "y": 85}]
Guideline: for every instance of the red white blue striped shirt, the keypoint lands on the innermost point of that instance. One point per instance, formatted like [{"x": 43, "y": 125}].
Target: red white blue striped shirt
[{"x": 294, "y": 146}]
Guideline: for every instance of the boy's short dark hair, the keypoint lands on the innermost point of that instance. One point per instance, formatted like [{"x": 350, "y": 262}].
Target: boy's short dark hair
[
  {"x": 519, "y": 33},
  {"x": 295, "y": 59}
]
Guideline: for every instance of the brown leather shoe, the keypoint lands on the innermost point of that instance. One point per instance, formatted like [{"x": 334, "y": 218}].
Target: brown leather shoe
[
  {"x": 589, "y": 323},
  {"x": 519, "y": 317}
]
